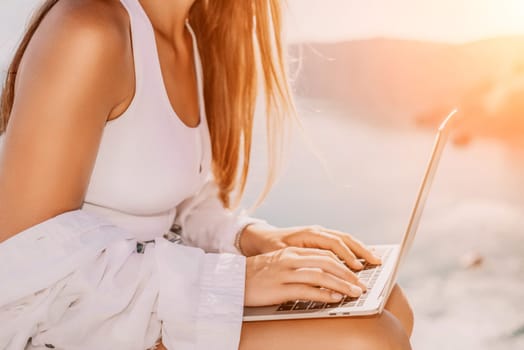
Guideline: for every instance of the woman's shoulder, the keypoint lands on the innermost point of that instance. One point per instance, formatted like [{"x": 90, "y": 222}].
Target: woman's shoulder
[
  {"x": 82, "y": 38},
  {"x": 103, "y": 22}
]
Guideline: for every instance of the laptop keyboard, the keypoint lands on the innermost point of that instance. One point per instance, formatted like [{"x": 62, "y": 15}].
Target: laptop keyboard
[{"x": 368, "y": 275}]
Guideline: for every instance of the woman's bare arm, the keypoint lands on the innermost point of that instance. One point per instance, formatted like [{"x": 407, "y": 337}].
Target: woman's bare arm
[{"x": 70, "y": 78}]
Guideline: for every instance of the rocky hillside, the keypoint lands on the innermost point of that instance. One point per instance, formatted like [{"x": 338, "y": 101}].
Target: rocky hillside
[{"x": 397, "y": 81}]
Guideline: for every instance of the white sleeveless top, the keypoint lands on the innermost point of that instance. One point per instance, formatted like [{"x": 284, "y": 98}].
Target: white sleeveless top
[{"x": 149, "y": 160}]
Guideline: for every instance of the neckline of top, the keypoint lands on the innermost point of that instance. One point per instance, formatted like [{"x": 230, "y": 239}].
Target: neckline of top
[{"x": 196, "y": 63}]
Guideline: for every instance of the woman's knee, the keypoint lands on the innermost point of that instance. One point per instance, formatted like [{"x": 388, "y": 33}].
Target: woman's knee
[
  {"x": 399, "y": 306},
  {"x": 386, "y": 332}
]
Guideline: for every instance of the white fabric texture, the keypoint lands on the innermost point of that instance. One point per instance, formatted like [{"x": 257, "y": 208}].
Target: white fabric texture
[
  {"x": 217, "y": 232},
  {"x": 77, "y": 282}
]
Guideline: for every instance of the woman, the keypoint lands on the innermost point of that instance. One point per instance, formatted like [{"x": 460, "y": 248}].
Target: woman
[{"x": 115, "y": 131}]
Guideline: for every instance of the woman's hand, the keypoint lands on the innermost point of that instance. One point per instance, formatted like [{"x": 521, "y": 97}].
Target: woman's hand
[
  {"x": 261, "y": 238},
  {"x": 296, "y": 273}
]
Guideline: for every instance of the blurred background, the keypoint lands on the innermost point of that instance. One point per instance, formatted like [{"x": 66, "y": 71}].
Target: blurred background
[{"x": 372, "y": 80}]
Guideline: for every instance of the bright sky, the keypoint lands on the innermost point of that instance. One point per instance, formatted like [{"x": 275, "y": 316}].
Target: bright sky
[
  {"x": 329, "y": 20},
  {"x": 442, "y": 20}
]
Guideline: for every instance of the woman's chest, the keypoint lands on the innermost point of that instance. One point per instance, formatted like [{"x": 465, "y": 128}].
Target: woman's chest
[{"x": 148, "y": 165}]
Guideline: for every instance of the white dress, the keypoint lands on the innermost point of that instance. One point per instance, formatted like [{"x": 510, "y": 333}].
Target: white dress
[{"x": 106, "y": 276}]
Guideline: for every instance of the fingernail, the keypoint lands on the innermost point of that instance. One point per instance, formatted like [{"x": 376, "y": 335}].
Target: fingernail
[
  {"x": 336, "y": 296},
  {"x": 356, "y": 290},
  {"x": 362, "y": 286},
  {"x": 359, "y": 264}
]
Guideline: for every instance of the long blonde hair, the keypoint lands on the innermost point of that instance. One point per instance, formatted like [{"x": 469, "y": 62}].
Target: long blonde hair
[{"x": 236, "y": 40}]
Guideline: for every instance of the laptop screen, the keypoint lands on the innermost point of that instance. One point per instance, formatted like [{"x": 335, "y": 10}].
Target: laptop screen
[{"x": 409, "y": 235}]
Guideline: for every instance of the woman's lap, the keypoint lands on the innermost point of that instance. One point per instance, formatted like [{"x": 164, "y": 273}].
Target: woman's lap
[
  {"x": 382, "y": 331},
  {"x": 389, "y": 330}
]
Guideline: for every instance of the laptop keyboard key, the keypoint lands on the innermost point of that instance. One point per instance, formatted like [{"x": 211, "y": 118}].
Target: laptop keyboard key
[
  {"x": 349, "y": 301},
  {"x": 330, "y": 305},
  {"x": 302, "y": 305},
  {"x": 284, "y": 307},
  {"x": 316, "y": 305}
]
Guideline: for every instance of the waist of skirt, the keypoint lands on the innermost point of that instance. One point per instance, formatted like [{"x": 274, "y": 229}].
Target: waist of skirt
[{"x": 173, "y": 235}]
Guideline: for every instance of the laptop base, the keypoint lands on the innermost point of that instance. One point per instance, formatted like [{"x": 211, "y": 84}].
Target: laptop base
[{"x": 370, "y": 303}]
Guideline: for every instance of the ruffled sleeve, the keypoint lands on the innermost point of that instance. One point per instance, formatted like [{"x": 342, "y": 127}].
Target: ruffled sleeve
[{"x": 205, "y": 223}]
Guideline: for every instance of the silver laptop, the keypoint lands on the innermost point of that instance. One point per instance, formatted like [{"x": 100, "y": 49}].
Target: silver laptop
[{"x": 379, "y": 278}]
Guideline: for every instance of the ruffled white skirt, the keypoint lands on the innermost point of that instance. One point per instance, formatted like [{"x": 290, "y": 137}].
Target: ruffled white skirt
[{"x": 76, "y": 283}]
